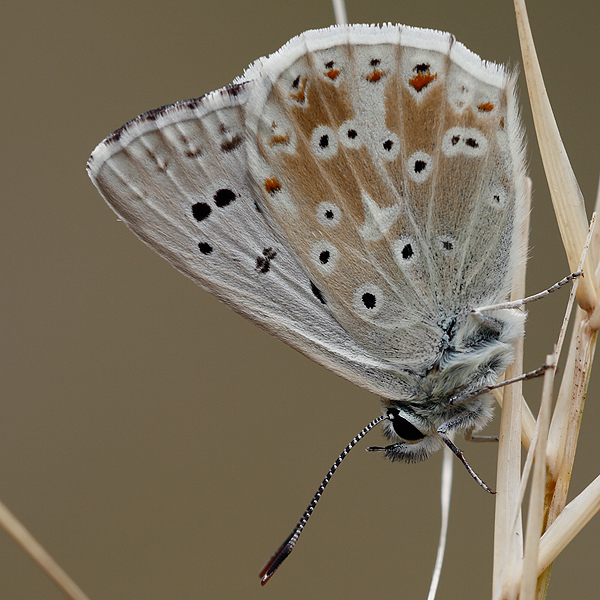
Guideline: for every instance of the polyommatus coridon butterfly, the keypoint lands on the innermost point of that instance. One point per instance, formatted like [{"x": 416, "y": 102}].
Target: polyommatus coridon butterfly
[{"x": 358, "y": 194}]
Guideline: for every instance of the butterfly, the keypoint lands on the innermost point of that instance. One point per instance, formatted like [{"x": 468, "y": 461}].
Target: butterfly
[{"x": 358, "y": 194}]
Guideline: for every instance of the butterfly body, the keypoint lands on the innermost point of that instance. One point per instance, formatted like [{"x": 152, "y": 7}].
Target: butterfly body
[{"x": 358, "y": 194}]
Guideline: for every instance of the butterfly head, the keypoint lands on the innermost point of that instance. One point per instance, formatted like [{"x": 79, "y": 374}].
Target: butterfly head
[{"x": 417, "y": 432}]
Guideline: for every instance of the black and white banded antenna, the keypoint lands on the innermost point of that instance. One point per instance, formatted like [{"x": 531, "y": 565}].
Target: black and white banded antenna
[{"x": 286, "y": 548}]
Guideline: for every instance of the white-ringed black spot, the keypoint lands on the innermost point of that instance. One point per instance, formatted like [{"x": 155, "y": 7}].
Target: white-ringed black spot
[
  {"x": 263, "y": 263},
  {"x": 422, "y": 68},
  {"x": 317, "y": 293},
  {"x": 447, "y": 245},
  {"x": 407, "y": 252},
  {"x": 388, "y": 145},
  {"x": 324, "y": 142},
  {"x": 497, "y": 196},
  {"x": 205, "y": 248},
  {"x": 351, "y": 134},
  {"x": 328, "y": 214},
  {"x": 419, "y": 165},
  {"x": 329, "y": 64},
  {"x": 201, "y": 211},
  {"x": 472, "y": 143},
  {"x": 324, "y": 255},
  {"x": 223, "y": 197},
  {"x": 369, "y": 300},
  {"x": 455, "y": 139},
  {"x": 296, "y": 82},
  {"x": 375, "y": 62}
]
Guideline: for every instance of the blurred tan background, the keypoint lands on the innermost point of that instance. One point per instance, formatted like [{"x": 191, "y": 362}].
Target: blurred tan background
[{"x": 158, "y": 445}]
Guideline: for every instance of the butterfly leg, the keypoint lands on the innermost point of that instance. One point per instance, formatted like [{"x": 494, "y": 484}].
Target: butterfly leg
[
  {"x": 385, "y": 449},
  {"x": 519, "y": 303},
  {"x": 443, "y": 433},
  {"x": 469, "y": 437},
  {"x": 470, "y": 394}
]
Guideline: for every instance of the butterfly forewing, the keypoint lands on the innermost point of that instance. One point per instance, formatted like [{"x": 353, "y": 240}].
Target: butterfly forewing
[
  {"x": 177, "y": 176},
  {"x": 382, "y": 155}
]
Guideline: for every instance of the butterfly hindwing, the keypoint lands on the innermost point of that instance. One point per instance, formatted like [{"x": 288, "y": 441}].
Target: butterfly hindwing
[{"x": 384, "y": 159}]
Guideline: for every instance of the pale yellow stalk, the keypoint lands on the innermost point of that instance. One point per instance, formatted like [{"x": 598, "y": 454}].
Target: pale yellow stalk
[
  {"x": 564, "y": 189},
  {"x": 35, "y": 550},
  {"x": 535, "y": 520},
  {"x": 508, "y": 542},
  {"x": 554, "y": 451}
]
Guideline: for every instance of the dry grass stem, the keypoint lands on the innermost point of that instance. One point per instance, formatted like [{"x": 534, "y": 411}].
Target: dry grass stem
[
  {"x": 536, "y": 498},
  {"x": 447, "y": 470},
  {"x": 553, "y": 438},
  {"x": 339, "y": 10},
  {"x": 508, "y": 541},
  {"x": 527, "y": 418},
  {"x": 35, "y": 550},
  {"x": 564, "y": 189},
  {"x": 568, "y": 524}
]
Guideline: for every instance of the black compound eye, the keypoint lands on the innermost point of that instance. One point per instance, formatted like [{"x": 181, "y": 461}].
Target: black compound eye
[{"x": 404, "y": 429}]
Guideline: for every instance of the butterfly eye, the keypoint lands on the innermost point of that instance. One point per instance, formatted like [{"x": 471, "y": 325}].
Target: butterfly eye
[{"x": 404, "y": 429}]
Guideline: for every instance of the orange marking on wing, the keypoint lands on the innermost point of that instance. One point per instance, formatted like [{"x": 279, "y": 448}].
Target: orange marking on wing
[
  {"x": 486, "y": 107},
  {"x": 375, "y": 75},
  {"x": 333, "y": 74},
  {"x": 421, "y": 80},
  {"x": 300, "y": 96},
  {"x": 272, "y": 185},
  {"x": 279, "y": 139},
  {"x": 502, "y": 123}
]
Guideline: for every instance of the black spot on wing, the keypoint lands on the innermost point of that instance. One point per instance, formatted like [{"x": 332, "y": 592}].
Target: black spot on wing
[
  {"x": 232, "y": 144},
  {"x": 369, "y": 300},
  {"x": 224, "y": 197},
  {"x": 317, "y": 293},
  {"x": 263, "y": 263},
  {"x": 201, "y": 211}
]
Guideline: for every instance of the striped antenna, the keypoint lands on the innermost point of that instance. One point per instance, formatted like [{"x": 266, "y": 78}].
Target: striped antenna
[{"x": 286, "y": 548}]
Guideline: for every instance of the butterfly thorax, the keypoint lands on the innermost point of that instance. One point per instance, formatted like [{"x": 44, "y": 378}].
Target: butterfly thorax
[{"x": 473, "y": 355}]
